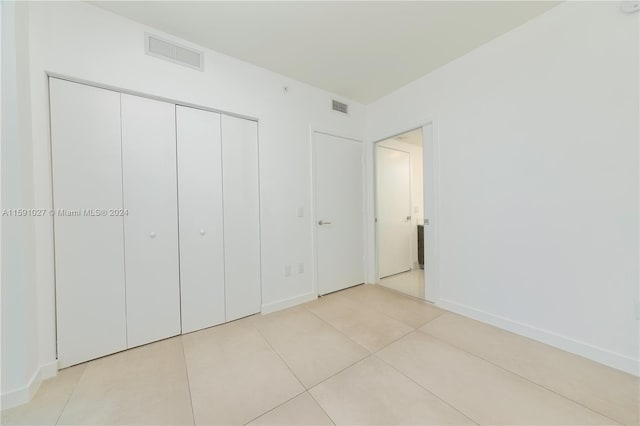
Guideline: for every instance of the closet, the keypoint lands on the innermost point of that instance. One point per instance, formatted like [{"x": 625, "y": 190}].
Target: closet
[{"x": 156, "y": 229}]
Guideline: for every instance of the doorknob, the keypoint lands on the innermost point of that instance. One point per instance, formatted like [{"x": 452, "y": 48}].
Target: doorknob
[
  {"x": 323, "y": 223},
  {"x": 202, "y": 232},
  {"x": 408, "y": 218},
  {"x": 152, "y": 234}
]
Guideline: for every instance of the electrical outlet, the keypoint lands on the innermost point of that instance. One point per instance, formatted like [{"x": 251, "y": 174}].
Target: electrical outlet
[
  {"x": 287, "y": 271},
  {"x": 300, "y": 268}
]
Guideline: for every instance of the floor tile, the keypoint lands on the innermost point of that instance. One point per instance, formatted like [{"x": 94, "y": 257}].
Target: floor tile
[
  {"x": 603, "y": 389},
  {"x": 313, "y": 349},
  {"x": 234, "y": 374},
  {"x": 46, "y": 406},
  {"x": 373, "y": 393},
  {"x": 406, "y": 309},
  {"x": 146, "y": 385},
  {"x": 484, "y": 392},
  {"x": 364, "y": 325},
  {"x": 410, "y": 282},
  {"x": 301, "y": 410}
]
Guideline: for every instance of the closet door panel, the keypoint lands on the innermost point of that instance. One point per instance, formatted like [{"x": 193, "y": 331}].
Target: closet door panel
[
  {"x": 151, "y": 219},
  {"x": 89, "y": 248},
  {"x": 241, "y": 217},
  {"x": 202, "y": 272}
]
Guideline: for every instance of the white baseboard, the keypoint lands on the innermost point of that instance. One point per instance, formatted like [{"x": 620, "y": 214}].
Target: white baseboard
[
  {"x": 24, "y": 394},
  {"x": 287, "y": 303},
  {"x": 601, "y": 355}
]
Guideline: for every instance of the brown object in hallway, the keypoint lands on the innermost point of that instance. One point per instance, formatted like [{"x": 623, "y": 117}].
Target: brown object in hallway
[{"x": 421, "y": 246}]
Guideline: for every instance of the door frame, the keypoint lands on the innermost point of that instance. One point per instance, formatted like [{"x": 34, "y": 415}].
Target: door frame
[
  {"x": 376, "y": 206},
  {"x": 314, "y": 203},
  {"x": 432, "y": 214}
]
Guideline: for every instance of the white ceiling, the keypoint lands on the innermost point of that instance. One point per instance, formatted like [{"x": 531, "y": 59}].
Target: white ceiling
[{"x": 360, "y": 50}]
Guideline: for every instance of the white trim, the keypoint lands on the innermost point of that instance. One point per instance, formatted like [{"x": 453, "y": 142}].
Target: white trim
[
  {"x": 601, "y": 355},
  {"x": 289, "y": 302},
  {"x": 71, "y": 79},
  {"x": 432, "y": 265},
  {"x": 24, "y": 394}
]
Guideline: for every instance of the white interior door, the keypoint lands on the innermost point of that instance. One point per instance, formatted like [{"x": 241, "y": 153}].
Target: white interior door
[
  {"x": 151, "y": 222},
  {"x": 339, "y": 212},
  {"x": 393, "y": 183},
  {"x": 200, "y": 211},
  {"x": 89, "y": 249},
  {"x": 241, "y": 217}
]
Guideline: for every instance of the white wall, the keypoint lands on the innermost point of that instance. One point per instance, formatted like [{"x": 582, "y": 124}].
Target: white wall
[
  {"x": 537, "y": 138},
  {"x": 18, "y": 290},
  {"x": 82, "y": 41},
  {"x": 417, "y": 203},
  {"x": 537, "y": 135}
]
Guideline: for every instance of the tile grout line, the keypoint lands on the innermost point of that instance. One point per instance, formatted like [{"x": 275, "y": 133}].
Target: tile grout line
[
  {"x": 323, "y": 380},
  {"x": 321, "y": 407},
  {"x": 305, "y": 390},
  {"x": 397, "y": 293},
  {"x": 276, "y": 407},
  {"x": 73, "y": 391},
  {"x": 462, "y": 349},
  {"x": 522, "y": 377},
  {"x": 337, "y": 329},
  {"x": 378, "y": 350},
  {"x": 328, "y": 377},
  {"x": 427, "y": 389},
  {"x": 186, "y": 371},
  {"x": 339, "y": 371},
  {"x": 281, "y": 358}
]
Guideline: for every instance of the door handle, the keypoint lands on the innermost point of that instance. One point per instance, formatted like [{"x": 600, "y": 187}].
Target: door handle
[
  {"x": 408, "y": 218},
  {"x": 323, "y": 223}
]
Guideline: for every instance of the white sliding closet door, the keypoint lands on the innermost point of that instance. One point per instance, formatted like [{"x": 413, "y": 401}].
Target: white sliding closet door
[
  {"x": 151, "y": 223},
  {"x": 89, "y": 250},
  {"x": 201, "y": 230},
  {"x": 241, "y": 216}
]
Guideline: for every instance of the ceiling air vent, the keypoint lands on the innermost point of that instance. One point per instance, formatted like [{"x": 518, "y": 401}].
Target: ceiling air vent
[
  {"x": 340, "y": 107},
  {"x": 175, "y": 53}
]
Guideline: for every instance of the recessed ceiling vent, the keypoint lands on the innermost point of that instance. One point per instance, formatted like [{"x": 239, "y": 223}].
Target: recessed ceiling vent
[
  {"x": 340, "y": 107},
  {"x": 173, "y": 52}
]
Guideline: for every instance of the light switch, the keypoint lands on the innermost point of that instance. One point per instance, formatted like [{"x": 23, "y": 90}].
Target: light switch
[
  {"x": 287, "y": 271},
  {"x": 300, "y": 268},
  {"x": 300, "y": 211}
]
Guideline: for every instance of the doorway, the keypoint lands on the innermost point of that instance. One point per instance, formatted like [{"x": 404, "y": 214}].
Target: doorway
[{"x": 400, "y": 213}]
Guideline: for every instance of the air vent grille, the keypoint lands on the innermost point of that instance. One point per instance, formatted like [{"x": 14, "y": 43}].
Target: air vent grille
[
  {"x": 175, "y": 53},
  {"x": 340, "y": 107}
]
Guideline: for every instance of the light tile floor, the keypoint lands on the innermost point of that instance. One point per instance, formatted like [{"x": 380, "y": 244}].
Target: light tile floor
[
  {"x": 410, "y": 282},
  {"x": 367, "y": 355}
]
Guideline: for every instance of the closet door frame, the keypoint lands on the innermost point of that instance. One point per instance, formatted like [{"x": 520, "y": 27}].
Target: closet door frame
[{"x": 49, "y": 75}]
